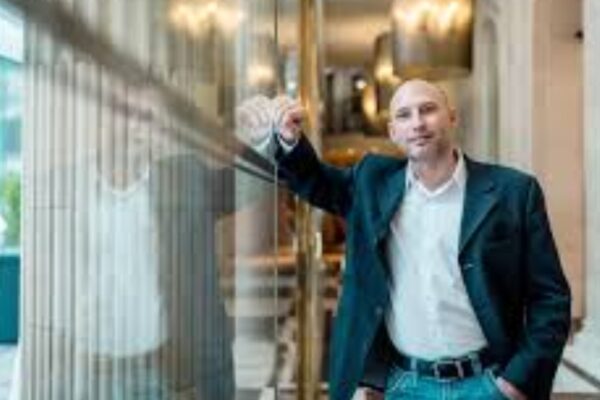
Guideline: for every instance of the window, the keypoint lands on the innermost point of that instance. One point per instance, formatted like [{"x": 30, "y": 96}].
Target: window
[{"x": 11, "y": 113}]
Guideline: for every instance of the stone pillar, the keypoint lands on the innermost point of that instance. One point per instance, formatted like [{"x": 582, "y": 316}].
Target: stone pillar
[
  {"x": 592, "y": 156},
  {"x": 539, "y": 100},
  {"x": 583, "y": 350},
  {"x": 557, "y": 135}
]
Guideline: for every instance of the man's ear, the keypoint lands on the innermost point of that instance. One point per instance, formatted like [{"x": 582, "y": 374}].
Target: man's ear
[
  {"x": 453, "y": 117},
  {"x": 391, "y": 132}
]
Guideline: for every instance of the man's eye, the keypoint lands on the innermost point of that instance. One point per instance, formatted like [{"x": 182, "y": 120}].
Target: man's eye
[
  {"x": 428, "y": 108},
  {"x": 402, "y": 115}
]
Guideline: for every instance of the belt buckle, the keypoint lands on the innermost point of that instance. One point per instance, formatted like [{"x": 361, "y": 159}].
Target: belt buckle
[{"x": 456, "y": 363}]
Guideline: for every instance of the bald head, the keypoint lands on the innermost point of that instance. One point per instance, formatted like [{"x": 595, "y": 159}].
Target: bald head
[
  {"x": 422, "y": 121},
  {"x": 418, "y": 88}
]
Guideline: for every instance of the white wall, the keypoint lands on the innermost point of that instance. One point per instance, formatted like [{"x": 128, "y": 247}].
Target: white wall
[
  {"x": 538, "y": 67},
  {"x": 557, "y": 141},
  {"x": 592, "y": 155}
]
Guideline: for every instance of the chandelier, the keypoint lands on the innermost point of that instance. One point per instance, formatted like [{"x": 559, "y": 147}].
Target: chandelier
[{"x": 432, "y": 39}]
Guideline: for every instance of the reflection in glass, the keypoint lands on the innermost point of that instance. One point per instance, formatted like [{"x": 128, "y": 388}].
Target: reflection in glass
[
  {"x": 148, "y": 267},
  {"x": 11, "y": 109}
]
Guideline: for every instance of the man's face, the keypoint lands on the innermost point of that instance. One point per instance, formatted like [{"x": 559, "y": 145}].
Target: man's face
[{"x": 422, "y": 121}]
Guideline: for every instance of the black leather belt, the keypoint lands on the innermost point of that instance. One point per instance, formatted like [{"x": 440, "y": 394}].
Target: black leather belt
[{"x": 447, "y": 368}]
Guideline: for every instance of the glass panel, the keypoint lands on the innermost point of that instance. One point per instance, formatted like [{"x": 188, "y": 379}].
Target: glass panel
[
  {"x": 11, "y": 99},
  {"x": 10, "y": 153},
  {"x": 150, "y": 229}
]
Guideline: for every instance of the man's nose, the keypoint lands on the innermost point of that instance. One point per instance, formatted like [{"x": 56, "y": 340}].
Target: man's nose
[{"x": 416, "y": 121}]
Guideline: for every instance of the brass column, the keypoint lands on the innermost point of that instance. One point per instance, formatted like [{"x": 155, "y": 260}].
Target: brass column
[{"x": 309, "y": 305}]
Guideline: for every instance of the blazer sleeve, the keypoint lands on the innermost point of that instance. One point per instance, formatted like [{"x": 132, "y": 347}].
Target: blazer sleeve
[
  {"x": 323, "y": 185},
  {"x": 548, "y": 303}
]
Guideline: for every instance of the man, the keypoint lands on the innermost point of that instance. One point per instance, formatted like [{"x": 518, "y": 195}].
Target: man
[
  {"x": 144, "y": 263},
  {"x": 453, "y": 287},
  {"x": 156, "y": 279}
]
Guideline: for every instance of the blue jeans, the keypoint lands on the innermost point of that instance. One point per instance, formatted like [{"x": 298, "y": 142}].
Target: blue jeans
[{"x": 408, "y": 385}]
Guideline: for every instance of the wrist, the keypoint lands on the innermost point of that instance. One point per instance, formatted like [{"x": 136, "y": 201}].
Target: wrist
[{"x": 290, "y": 140}]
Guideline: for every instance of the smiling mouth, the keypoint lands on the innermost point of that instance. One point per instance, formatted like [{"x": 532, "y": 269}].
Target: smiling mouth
[{"x": 419, "y": 140}]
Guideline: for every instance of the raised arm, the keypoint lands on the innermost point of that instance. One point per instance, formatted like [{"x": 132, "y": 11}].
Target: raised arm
[{"x": 274, "y": 127}]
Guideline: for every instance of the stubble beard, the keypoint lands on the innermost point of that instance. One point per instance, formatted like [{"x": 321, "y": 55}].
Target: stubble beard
[{"x": 432, "y": 153}]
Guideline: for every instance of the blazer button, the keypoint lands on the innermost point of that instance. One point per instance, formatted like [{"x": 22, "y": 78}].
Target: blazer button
[
  {"x": 467, "y": 266},
  {"x": 379, "y": 311}
]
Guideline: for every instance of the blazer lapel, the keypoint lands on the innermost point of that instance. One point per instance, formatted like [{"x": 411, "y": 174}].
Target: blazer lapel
[
  {"x": 480, "y": 199},
  {"x": 390, "y": 195}
]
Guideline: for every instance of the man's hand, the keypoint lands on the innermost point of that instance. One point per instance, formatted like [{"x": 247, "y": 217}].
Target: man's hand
[
  {"x": 258, "y": 117},
  {"x": 509, "y": 390},
  {"x": 254, "y": 119},
  {"x": 288, "y": 116}
]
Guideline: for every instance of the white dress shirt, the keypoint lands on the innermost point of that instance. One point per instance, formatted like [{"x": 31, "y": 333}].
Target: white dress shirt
[
  {"x": 123, "y": 284},
  {"x": 430, "y": 315}
]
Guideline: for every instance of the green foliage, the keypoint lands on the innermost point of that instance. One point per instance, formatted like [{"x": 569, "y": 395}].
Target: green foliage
[{"x": 10, "y": 207}]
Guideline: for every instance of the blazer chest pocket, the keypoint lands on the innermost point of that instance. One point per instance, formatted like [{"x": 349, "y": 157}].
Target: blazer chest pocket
[
  {"x": 498, "y": 244},
  {"x": 501, "y": 258},
  {"x": 500, "y": 234}
]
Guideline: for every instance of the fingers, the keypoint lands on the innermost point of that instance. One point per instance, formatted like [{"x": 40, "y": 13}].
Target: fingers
[
  {"x": 295, "y": 114},
  {"x": 292, "y": 120},
  {"x": 258, "y": 116},
  {"x": 288, "y": 117},
  {"x": 254, "y": 111},
  {"x": 281, "y": 106},
  {"x": 254, "y": 118}
]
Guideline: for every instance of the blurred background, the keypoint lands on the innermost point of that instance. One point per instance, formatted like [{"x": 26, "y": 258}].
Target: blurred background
[{"x": 148, "y": 252}]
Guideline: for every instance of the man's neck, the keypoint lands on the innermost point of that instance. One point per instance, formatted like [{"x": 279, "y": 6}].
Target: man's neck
[{"x": 432, "y": 173}]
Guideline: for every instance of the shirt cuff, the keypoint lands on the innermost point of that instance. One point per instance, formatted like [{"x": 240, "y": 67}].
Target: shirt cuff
[
  {"x": 286, "y": 146},
  {"x": 268, "y": 146}
]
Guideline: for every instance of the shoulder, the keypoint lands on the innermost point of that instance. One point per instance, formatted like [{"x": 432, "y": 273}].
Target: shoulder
[
  {"x": 504, "y": 176},
  {"x": 377, "y": 164}
]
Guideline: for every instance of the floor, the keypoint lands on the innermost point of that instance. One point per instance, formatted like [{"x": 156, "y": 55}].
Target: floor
[
  {"x": 7, "y": 355},
  {"x": 568, "y": 384}
]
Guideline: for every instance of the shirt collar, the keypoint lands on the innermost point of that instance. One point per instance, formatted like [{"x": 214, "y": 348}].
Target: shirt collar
[{"x": 459, "y": 176}]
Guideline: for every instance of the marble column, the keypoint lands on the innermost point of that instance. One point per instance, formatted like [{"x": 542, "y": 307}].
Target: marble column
[
  {"x": 528, "y": 110},
  {"x": 592, "y": 155},
  {"x": 557, "y": 135},
  {"x": 585, "y": 347}
]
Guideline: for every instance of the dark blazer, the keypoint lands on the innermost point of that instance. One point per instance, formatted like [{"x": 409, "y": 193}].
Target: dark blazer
[
  {"x": 509, "y": 263},
  {"x": 188, "y": 198}
]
